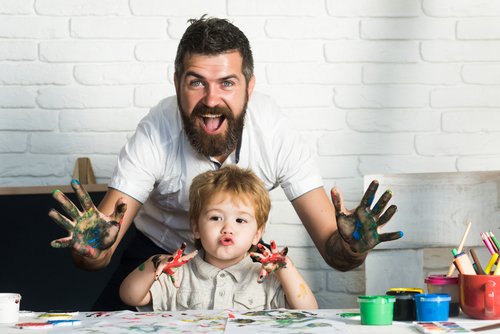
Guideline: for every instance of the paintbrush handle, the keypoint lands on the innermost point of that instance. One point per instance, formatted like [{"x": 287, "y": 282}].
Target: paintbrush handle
[{"x": 459, "y": 249}]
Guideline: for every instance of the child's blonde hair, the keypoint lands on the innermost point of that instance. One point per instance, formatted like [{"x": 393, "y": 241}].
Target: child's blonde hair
[{"x": 240, "y": 182}]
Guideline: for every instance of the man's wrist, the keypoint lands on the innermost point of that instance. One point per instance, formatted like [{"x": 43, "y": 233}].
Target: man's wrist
[{"x": 340, "y": 255}]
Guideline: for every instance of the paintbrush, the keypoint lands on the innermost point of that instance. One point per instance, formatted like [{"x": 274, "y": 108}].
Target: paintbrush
[
  {"x": 486, "y": 328},
  {"x": 459, "y": 249}
]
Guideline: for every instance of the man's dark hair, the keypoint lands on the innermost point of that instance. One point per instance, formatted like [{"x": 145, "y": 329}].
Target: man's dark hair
[{"x": 213, "y": 36}]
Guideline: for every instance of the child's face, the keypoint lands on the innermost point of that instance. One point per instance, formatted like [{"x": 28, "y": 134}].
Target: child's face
[{"x": 227, "y": 228}]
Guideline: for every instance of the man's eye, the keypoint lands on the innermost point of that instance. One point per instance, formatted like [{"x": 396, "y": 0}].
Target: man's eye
[
  {"x": 196, "y": 83},
  {"x": 227, "y": 83},
  {"x": 240, "y": 220}
]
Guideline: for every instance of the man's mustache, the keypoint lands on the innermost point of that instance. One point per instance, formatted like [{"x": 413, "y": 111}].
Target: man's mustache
[{"x": 200, "y": 109}]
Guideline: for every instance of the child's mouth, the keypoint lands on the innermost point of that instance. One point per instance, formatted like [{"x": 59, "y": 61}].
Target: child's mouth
[{"x": 226, "y": 241}]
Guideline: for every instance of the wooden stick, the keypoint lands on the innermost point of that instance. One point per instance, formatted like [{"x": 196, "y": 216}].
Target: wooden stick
[
  {"x": 486, "y": 328},
  {"x": 459, "y": 248}
]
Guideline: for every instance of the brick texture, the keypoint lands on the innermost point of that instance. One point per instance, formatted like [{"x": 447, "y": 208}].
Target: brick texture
[{"x": 375, "y": 87}]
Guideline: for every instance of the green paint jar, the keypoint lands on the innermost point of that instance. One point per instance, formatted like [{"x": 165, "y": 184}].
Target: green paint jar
[{"x": 376, "y": 310}]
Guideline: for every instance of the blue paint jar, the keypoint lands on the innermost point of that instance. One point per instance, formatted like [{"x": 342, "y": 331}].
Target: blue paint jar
[{"x": 432, "y": 306}]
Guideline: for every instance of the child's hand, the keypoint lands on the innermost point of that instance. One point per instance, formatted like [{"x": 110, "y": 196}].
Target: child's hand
[
  {"x": 169, "y": 264},
  {"x": 271, "y": 260}
]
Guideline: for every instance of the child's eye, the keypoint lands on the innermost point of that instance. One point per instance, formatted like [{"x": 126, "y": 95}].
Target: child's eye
[
  {"x": 240, "y": 220},
  {"x": 215, "y": 218}
]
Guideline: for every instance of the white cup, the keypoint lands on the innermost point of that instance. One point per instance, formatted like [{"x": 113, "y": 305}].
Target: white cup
[{"x": 9, "y": 307}]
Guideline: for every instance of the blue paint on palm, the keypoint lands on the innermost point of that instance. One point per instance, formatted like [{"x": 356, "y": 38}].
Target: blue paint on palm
[
  {"x": 357, "y": 231},
  {"x": 94, "y": 242}
]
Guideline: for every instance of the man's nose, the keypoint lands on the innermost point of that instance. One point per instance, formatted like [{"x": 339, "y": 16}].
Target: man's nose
[{"x": 212, "y": 96}]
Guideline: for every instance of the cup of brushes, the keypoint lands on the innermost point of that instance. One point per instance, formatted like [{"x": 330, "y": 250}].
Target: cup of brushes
[{"x": 479, "y": 289}]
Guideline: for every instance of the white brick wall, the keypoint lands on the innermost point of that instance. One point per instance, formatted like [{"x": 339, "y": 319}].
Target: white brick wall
[{"x": 376, "y": 86}]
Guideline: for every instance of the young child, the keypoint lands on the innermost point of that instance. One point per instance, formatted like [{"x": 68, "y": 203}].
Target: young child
[{"x": 228, "y": 211}]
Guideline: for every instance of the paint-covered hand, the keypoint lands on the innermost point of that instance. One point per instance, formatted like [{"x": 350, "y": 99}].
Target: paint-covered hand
[
  {"x": 360, "y": 227},
  {"x": 90, "y": 231},
  {"x": 170, "y": 263},
  {"x": 271, "y": 260}
]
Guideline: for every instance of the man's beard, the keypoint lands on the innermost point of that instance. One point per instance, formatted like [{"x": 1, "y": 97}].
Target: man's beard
[{"x": 208, "y": 144}]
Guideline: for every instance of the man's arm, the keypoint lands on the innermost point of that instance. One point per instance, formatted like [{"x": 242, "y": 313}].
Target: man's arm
[
  {"x": 107, "y": 207},
  {"x": 318, "y": 216}
]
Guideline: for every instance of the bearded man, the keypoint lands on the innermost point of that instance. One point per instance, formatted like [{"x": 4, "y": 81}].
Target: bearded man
[{"x": 215, "y": 119}]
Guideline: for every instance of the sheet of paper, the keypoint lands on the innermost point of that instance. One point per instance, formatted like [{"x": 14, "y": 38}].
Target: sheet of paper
[
  {"x": 126, "y": 322},
  {"x": 284, "y": 321}
]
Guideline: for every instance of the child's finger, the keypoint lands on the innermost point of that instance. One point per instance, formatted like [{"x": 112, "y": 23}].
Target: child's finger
[
  {"x": 274, "y": 248},
  {"x": 284, "y": 251},
  {"x": 262, "y": 275},
  {"x": 263, "y": 249}
]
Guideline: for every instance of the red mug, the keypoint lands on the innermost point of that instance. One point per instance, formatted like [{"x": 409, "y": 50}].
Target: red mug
[{"x": 480, "y": 296}]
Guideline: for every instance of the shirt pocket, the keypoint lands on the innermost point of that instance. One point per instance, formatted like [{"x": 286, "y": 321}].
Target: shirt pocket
[
  {"x": 190, "y": 300},
  {"x": 249, "y": 301}
]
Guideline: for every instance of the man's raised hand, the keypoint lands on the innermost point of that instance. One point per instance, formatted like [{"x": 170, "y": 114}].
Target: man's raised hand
[
  {"x": 89, "y": 231},
  {"x": 360, "y": 227}
]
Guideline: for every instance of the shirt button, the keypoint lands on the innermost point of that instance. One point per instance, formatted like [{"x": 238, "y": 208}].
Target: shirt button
[
  {"x": 223, "y": 275},
  {"x": 221, "y": 293}
]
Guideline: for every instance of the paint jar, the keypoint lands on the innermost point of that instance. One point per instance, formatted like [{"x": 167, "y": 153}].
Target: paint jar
[
  {"x": 432, "y": 306},
  {"x": 376, "y": 310},
  {"x": 404, "y": 308},
  {"x": 9, "y": 307},
  {"x": 449, "y": 285}
]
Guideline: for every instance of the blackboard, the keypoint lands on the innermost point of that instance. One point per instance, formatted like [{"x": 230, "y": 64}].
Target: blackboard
[{"x": 45, "y": 277}]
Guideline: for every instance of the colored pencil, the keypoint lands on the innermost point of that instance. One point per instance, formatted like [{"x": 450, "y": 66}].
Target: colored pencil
[
  {"x": 487, "y": 243},
  {"x": 477, "y": 264}
]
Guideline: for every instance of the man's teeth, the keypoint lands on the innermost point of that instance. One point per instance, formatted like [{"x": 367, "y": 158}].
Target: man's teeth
[{"x": 211, "y": 116}]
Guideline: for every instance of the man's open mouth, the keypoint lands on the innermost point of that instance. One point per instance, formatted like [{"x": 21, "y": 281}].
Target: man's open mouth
[{"x": 212, "y": 123}]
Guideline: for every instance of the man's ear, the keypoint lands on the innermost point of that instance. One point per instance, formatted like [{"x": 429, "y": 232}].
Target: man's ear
[
  {"x": 251, "y": 86},
  {"x": 176, "y": 83}
]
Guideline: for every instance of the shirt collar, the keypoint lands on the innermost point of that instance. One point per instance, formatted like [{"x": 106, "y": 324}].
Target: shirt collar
[{"x": 208, "y": 271}]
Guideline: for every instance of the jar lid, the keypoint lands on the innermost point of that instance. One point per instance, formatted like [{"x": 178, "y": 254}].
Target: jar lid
[
  {"x": 397, "y": 291},
  {"x": 382, "y": 299},
  {"x": 441, "y": 280},
  {"x": 433, "y": 297}
]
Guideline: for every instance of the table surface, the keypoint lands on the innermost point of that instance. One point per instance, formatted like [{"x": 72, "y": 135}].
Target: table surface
[{"x": 268, "y": 322}]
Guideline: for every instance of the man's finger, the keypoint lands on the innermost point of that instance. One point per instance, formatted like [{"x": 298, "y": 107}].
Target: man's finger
[
  {"x": 66, "y": 204},
  {"x": 369, "y": 195},
  {"x": 382, "y": 203},
  {"x": 387, "y": 215},
  {"x": 390, "y": 236},
  {"x": 120, "y": 209},
  {"x": 82, "y": 195},
  {"x": 338, "y": 200},
  {"x": 62, "y": 221},
  {"x": 62, "y": 242}
]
